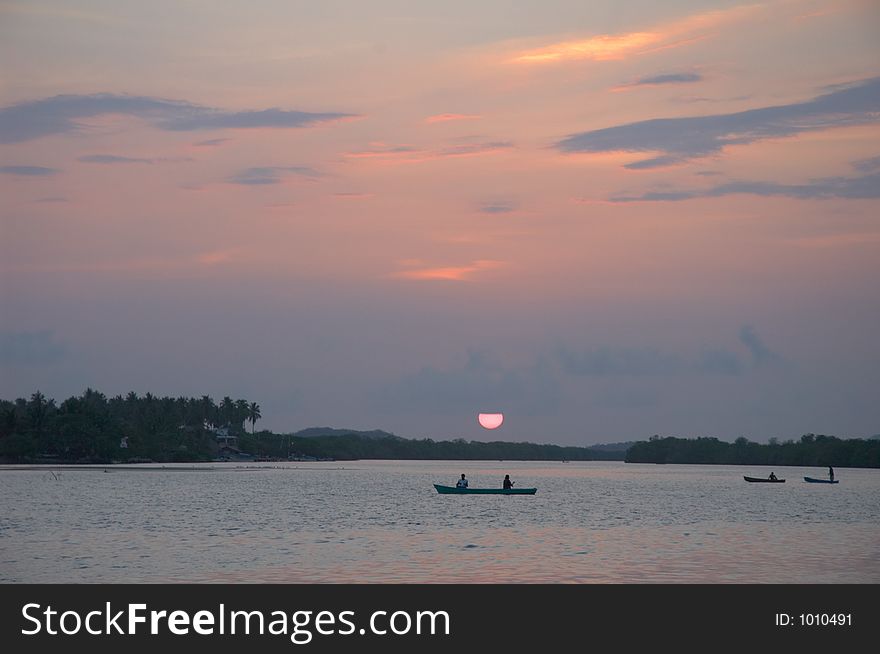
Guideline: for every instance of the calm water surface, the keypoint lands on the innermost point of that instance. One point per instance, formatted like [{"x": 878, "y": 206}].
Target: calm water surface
[{"x": 382, "y": 521}]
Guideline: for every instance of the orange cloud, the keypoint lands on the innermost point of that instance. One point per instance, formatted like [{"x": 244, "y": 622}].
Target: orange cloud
[
  {"x": 605, "y": 47},
  {"x": 451, "y": 273},
  {"x": 600, "y": 48}
]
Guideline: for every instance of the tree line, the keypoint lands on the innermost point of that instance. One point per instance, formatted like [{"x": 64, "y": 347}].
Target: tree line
[
  {"x": 94, "y": 428},
  {"x": 810, "y": 450},
  {"x": 347, "y": 447}
]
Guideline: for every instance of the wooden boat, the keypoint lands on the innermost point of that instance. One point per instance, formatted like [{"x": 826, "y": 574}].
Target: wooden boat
[
  {"x": 765, "y": 479},
  {"x": 813, "y": 480},
  {"x": 453, "y": 490}
]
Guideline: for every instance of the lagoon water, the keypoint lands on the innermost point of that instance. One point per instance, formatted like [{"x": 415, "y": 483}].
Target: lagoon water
[{"x": 383, "y": 522}]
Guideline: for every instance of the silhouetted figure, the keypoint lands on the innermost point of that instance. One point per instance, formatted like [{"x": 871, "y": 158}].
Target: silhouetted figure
[
  {"x": 830, "y": 473},
  {"x": 462, "y": 483},
  {"x": 772, "y": 476},
  {"x": 507, "y": 483}
]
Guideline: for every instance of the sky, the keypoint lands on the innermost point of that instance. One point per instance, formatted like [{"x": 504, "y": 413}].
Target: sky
[{"x": 606, "y": 220}]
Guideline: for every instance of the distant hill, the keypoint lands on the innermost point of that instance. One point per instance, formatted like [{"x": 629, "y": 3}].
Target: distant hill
[
  {"x": 316, "y": 432},
  {"x": 378, "y": 434}
]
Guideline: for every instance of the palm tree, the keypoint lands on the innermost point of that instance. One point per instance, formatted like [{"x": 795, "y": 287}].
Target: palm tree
[
  {"x": 253, "y": 414},
  {"x": 241, "y": 413},
  {"x": 227, "y": 409}
]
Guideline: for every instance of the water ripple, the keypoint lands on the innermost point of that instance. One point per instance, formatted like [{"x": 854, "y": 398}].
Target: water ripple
[{"x": 382, "y": 522}]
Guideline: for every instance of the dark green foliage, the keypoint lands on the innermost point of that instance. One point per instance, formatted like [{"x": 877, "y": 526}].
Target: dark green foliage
[
  {"x": 91, "y": 428},
  {"x": 94, "y": 429},
  {"x": 341, "y": 445},
  {"x": 812, "y": 450}
]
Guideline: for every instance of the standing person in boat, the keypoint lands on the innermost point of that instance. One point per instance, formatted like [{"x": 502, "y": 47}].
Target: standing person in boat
[
  {"x": 462, "y": 483},
  {"x": 507, "y": 483},
  {"x": 772, "y": 476},
  {"x": 830, "y": 473}
]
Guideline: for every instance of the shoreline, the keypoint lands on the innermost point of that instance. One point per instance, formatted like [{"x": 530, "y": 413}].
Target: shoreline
[{"x": 208, "y": 466}]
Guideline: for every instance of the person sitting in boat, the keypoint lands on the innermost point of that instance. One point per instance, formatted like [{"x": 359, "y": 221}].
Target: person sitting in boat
[
  {"x": 772, "y": 476},
  {"x": 462, "y": 483},
  {"x": 507, "y": 483}
]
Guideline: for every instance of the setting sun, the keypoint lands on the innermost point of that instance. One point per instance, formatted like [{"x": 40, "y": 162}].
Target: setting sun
[{"x": 491, "y": 420}]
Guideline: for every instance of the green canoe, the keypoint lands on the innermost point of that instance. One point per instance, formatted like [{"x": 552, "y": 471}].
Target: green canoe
[{"x": 452, "y": 490}]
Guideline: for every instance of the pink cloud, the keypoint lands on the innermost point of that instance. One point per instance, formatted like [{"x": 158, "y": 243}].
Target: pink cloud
[
  {"x": 444, "y": 118},
  {"x": 450, "y": 273},
  {"x": 410, "y": 154},
  {"x": 607, "y": 47}
]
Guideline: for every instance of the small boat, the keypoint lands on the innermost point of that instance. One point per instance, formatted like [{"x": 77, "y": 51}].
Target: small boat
[
  {"x": 765, "y": 479},
  {"x": 454, "y": 490},
  {"x": 813, "y": 480}
]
